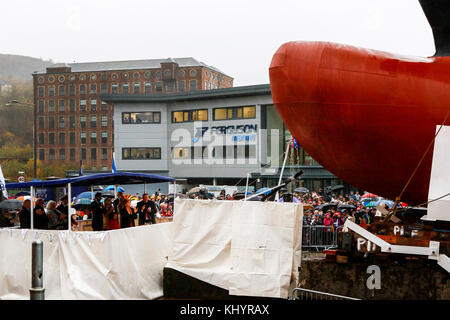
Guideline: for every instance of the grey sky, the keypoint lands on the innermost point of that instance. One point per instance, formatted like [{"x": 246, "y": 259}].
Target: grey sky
[{"x": 237, "y": 36}]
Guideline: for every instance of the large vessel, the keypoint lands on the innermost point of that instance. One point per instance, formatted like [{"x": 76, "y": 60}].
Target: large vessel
[{"x": 367, "y": 116}]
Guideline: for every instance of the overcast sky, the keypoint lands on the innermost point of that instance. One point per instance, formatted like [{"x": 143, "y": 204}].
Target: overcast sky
[{"x": 239, "y": 37}]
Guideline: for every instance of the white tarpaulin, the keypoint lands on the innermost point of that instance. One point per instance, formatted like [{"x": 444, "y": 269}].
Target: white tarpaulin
[
  {"x": 440, "y": 177},
  {"x": 250, "y": 248},
  {"x": 118, "y": 264}
]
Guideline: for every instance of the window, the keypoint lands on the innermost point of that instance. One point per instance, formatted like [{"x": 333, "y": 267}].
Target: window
[
  {"x": 190, "y": 115},
  {"x": 51, "y": 106},
  {"x": 170, "y": 87},
  {"x": 51, "y": 138},
  {"x": 181, "y": 85},
  {"x": 104, "y": 137},
  {"x": 125, "y": 88},
  {"x": 93, "y": 89},
  {"x": 83, "y": 105},
  {"x": 51, "y": 122},
  {"x": 83, "y": 137},
  {"x": 141, "y": 117},
  {"x": 62, "y": 106},
  {"x": 62, "y": 138},
  {"x": 104, "y": 121},
  {"x": 141, "y": 153},
  {"x": 51, "y": 154},
  {"x": 148, "y": 87},
  {"x": 72, "y": 90},
  {"x": 93, "y": 104},
  {"x": 41, "y": 138},
  {"x": 94, "y": 137},
  {"x": 104, "y": 88},
  {"x": 136, "y": 88},
  {"x": 104, "y": 106},
  {"x": 41, "y": 154},
  {"x": 51, "y": 91},
  {"x": 72, "y": 105},
  {"x": 72, "y": 154},
  {"x": 62, "y": 154},
  {"x": 159, "y": 86},
  {"x": 41, "y": 106},
  {"x": 180, "y": 153},
  {"x": 114, "y": 88},
  {"x": 72, "y": 138},
  {"x": 93, "y": 154},
  {"x": 41, "y": 123},
  {"x": 82, "y": 89},
  {"x": 41, "y": 91},
  {"x": 83, "y": 121},
  {"x": 193, "y": 85},
  {"x": 83, "y": 154},
  {"x": 247, "y": 112},
  {"x": 62, "y": 90},
  {"x": 62, "y": 122},
  {"x": 93, "y": 121},
  {"x": 104, "y": 153}
]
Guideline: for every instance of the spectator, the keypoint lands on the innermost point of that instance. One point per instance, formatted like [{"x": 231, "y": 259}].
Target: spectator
[
  {"x": 39, "y": 216},
  {"x": 54, "y": 223},
  {"x": 25, "y": 215},
  {"x": 127, "y": 214},
  {"x": 147, "y": 210},
  {"x": 98, "y": 211}
]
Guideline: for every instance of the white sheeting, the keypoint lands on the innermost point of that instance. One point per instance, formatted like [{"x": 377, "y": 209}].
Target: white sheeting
[
  {"x": 440, "y": 177},
  {"x": 249, "y": 248},
  {"x": 118, "y": 264}
]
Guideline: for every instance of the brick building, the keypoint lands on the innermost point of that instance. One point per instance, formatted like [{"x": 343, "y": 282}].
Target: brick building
[{"x": 73, "y": 123}]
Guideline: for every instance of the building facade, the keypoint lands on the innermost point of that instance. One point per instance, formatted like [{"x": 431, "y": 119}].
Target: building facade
[
  {"x": 74, "y": 124},
  {"x": 215, "y": 137}
]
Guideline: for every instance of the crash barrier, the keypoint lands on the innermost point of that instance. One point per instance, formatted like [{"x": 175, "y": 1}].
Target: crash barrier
[
  {"x": 118, "y": 264},
  {"x": 320, "y": 237},
  {"x": 306, "y": 294}
]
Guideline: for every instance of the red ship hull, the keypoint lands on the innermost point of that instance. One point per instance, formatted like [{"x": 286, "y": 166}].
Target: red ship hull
[{"x": 365, "y": 115}]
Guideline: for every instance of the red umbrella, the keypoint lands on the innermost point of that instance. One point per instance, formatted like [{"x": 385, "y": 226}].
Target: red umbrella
[{"x": 369, "y": 195}]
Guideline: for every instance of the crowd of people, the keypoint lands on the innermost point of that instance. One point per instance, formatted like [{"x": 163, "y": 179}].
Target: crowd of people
[
  {"x": 126, "y": 211},
  {"x": 105, "y": 213}
]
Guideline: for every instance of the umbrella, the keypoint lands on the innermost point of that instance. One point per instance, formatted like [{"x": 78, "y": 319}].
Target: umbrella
[
  {"x": 22, "y": 193},
  {"x": 301, "y": 190},
  {"x": 85, "y": 195},
  {"x": 12, "y": 204},
  {"x": 263, "y": 191},
  {"x": 197, "y": 190},
  {"x": 111, "y": 187},
  {"x": 324, "y": 207},
  {"x": 23, "y": 198},
  {"x": 369, "y": 195},
  {"x": 377, "y": 203},
  {"x": 81, "y": 202},
  {"x": 108, "y": 194},
  {"x": 346, "y": 206}
]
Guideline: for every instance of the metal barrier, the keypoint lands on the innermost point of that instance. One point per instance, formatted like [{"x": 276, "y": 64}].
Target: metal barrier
[
  {"x": 306, "y": 294},
  {"x": 320, "y": 237}
]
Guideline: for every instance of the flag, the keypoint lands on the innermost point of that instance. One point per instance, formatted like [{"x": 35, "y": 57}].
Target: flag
[
  {"x": 81, "y": 168},
  {"x": 3, "y": 184},
  {"x": 114, "y": 169},
  {"x": 294, "y": 143}
]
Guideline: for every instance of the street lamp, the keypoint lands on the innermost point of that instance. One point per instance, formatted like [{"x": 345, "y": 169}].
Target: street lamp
[{"x": 16, "y": 102}]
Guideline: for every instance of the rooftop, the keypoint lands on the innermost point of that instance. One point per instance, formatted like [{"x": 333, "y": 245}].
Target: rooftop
[
  {"x": 130, "y": 65},
  {"x": 261, "y": 89}
]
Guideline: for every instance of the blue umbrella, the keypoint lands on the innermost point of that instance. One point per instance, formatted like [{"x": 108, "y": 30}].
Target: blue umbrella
[
  {"x": 111, "y": 187},
  {"x": 263, "y": 191},
  {"x": 389, "y": 203},
  {"x": 84, "y": 195}
]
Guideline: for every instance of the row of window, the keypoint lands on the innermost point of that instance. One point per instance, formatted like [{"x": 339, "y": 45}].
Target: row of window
[
  {"x": 220, "y": 152},
  {"x": 230, "y": 113},
  {"x": 62, "y": 105},
  {"x": 126, "y": 88},
  {"x": 72, "y": 139},
  {"x": 141, "y": 153},
  {"x": 115, "y": 76},
  {"x": 61, "y": 154},
  {"x": 72, "y": 122}
]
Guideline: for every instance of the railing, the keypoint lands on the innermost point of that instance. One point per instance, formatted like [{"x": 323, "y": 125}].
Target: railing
[
  {"x": 306, "y": 294},
  {"x": 320, "y": 237}
]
